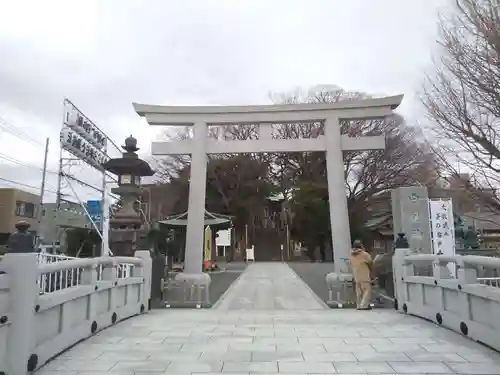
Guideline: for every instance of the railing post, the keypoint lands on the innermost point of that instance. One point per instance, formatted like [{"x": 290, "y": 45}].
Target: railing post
[
  {"x": 440, "y": 270},
  {"x": 110, "y": 274},
  {"x": 145, "y": 255},
  {"x": 465, "y": 275},
  {"x": 22, "y": 271},
  {"x": 89, "y": 277},
  {"x": 398, "y": 271}
]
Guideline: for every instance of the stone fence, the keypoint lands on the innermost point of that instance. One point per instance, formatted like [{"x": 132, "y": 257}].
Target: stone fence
[
  {"x": 46, "y": 308},
  {"x": 453, "y": 294}
]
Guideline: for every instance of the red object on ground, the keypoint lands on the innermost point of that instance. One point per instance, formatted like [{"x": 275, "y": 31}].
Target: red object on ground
[{"x": 209, "y": 265}]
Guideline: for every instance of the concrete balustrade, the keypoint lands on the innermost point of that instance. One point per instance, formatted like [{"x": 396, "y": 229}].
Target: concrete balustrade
[
  {"x": 452, "y": 294},
  {"x": 91, "y": 294}
]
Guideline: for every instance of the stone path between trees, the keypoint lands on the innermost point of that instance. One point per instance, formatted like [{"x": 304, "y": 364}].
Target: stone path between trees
[{"x": 269, "y": 322}]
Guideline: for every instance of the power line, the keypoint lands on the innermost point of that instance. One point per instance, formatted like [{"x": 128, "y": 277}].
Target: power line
[
  {"x": 24, "y": 185},
  {"x": 17, "y": 132},
  {"x": 18, "y": 162}
]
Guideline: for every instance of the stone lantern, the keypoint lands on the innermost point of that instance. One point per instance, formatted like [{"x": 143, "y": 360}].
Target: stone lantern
[{"x": 127, "y": 222}]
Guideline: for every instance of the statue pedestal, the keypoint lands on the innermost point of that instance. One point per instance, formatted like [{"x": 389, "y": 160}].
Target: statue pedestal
[
  {"x": 341, "y": 293},
  {"x": 189, "y": 290}
]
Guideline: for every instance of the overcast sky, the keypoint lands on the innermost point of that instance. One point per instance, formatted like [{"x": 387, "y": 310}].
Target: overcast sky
[{"x": 104, "y": 55}]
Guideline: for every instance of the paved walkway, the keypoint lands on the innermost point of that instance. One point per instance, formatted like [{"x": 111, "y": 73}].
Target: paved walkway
[
  {"x": 286, "y": 337},
  {"x": 269, "y": 286}
]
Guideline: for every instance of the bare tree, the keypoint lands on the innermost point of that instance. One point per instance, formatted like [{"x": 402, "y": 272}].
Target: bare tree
[
  {"x": 406, "y": 159},
  {"x": 462, "y": 96}
]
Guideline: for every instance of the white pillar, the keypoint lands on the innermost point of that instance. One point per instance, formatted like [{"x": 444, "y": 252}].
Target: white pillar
[
  {"x": 145, "y": 255},
  {"x": 22, "y": 272},
  {"x": 105, "y": 250},
  {"x": 399, "y": 275},
  {"x": 339, "y": 215},
  {"x": 193, "y": 261}
]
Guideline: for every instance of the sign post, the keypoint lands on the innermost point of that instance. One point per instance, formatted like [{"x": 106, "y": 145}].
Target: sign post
[{"x": 84, "y": 141}]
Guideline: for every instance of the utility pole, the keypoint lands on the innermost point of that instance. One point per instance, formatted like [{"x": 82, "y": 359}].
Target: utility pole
[{"x": 42, "y": 190}]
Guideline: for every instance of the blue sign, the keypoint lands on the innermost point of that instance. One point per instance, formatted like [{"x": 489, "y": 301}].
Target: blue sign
[{"x": 94, "y": 209}]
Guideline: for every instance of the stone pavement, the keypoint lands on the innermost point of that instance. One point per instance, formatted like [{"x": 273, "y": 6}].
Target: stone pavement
[
  {"x": 288, "y": 338},
  {"x": 269, "y": 286}
]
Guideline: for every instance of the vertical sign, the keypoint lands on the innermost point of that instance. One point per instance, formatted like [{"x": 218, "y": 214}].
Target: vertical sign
[
  {"x": 443, "y": 228},
  {"x": 208, "y": 244},
  {"x": 94, "y": 209}
]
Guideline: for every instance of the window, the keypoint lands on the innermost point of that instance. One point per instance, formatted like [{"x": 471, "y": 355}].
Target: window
[
  {"x": 25, "y": 209},
  {"x": 29, "y": 210},
  {"x": 20, "y": 208}
]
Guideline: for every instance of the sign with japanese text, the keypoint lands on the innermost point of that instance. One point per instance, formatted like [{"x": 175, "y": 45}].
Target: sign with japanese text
[
  {"x": 442, "y": 226},
  {"x": 80, "y": 148},
  {"x": 80, "y": 123}
]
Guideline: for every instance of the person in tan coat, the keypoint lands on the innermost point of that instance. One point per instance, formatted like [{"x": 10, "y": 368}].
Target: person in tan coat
[{"x": 361, "y": 265}]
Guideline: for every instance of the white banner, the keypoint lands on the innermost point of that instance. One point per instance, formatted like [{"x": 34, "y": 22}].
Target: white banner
[
  {"x": 442, "y": 226},
  {"x": 443, "y": 229}
]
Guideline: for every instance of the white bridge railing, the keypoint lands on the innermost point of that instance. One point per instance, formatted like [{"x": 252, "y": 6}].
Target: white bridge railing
[
  {"x": 52, "y": 282},
  {"x": 459, "y": 292},
  {"x": 491, "y": 281},
  {"x": 47, "y": 306}
]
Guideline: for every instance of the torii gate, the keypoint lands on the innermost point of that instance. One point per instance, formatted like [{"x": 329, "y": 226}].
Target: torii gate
[{"x": 333, "y": 143}]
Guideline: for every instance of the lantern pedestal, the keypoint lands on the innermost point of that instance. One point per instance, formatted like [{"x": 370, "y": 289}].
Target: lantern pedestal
[
  {"x": 123, "y": 242},
  {"x": 191, "y": 290}
]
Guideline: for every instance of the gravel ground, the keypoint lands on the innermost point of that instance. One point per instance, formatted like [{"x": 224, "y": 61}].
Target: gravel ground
[
  {"x": 313, "y": 274},
  {"x": 221, "y": 281}
]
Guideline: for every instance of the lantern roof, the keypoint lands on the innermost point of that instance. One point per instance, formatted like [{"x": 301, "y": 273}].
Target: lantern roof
[
  {"x": 129, "y": 163},
  {"x": 121, "y": 166}
]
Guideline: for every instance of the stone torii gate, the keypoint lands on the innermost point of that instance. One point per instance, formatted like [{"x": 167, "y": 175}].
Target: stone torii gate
[{"x": 332, "y": 142}]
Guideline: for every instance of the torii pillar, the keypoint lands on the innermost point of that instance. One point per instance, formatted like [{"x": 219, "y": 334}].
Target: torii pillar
[{"x": 333, "y": 143}]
